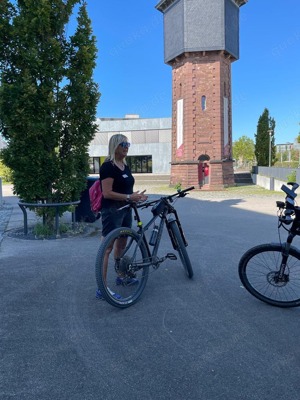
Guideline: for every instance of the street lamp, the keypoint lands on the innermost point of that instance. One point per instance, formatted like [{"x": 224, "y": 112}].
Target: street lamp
[{"x": 270, "y": 132}]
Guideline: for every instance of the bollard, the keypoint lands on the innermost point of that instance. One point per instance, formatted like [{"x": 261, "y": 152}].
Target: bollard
[{"x": 1, "y": 197}]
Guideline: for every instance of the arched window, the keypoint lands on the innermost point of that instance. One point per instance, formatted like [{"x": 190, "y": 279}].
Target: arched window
[{"x": 203, "y": 103}]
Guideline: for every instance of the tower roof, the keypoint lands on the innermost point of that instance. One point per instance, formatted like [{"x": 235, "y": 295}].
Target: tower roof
[{"x": 164, "y": 4}]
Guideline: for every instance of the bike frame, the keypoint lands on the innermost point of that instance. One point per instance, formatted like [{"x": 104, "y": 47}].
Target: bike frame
[
  {"x": 164, "y": 220},
  {"x": 270, "y": 271},
  {"x": 293, "y": 232},
  {"x": 167, "y": 210}
]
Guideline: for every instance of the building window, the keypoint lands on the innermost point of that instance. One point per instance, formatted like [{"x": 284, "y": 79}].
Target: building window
[
  {"x": 203, "y": 103},
  {"x": 95, "y": 163},
  {"x": 140, "y": 164},
  {"x": 137, "y": 164}
]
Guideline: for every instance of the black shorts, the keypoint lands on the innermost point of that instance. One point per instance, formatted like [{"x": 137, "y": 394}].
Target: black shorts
[{"x": 112, "y": 219}]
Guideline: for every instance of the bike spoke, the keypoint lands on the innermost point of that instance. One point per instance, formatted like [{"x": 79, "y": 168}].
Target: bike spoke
[
  {"x": 122, "y": 274},
  {"x": 260, "y": 274}
]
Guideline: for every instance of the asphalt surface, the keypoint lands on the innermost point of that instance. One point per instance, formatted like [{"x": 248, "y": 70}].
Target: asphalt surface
[{"x": 205, "y": 338}]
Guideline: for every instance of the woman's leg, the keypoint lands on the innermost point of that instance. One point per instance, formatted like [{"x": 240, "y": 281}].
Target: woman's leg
[
  {"x": 110, "y": 222},
  {"x": 118, "y": 246}
]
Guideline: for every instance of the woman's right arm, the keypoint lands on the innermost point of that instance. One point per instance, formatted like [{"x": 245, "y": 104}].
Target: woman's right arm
[{"x": 108, "y": 193}]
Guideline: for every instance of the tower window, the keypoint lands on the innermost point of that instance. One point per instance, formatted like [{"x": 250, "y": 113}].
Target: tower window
[{"x": 203, "y": 103}]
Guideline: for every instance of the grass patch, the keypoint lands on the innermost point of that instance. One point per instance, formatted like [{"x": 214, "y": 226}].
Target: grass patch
[
  {"x": 251, "y": 190},
  {"x": 243, "y": 190},
  {"x": 41, "y": 231}
]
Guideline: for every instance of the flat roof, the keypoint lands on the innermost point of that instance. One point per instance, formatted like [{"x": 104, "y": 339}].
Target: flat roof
[{"x": 133, "y": 124}]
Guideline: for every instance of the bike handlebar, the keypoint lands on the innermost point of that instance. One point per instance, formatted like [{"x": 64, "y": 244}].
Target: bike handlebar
[
  {"x": 146, "y": 204},
  {"x": 179, "y": 193}
]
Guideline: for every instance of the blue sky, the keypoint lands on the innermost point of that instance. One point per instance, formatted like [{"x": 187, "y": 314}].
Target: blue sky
[{"x": 133, "y": 78}]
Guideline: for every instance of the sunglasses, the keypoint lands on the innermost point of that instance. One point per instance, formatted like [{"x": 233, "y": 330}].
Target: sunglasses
[{"x": 124, "y": 144}]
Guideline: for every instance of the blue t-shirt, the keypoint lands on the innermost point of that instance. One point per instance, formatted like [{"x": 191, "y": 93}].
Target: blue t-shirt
[{"x": 123, "y": 182}]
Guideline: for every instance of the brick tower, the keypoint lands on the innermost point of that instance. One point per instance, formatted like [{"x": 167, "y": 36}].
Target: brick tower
[{"x": 201, "y": 40}]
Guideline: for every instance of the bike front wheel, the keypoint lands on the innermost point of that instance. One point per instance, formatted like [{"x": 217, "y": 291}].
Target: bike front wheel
[
  {"x": 122, "y": 267},
  {"x": 259, "y": 272},
  {"x": 180, "y": 247}
]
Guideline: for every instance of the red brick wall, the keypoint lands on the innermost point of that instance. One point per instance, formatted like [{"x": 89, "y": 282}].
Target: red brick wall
[{"x": 195, "y": 75}]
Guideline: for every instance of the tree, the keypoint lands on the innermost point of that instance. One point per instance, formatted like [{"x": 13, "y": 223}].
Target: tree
[
  {"x": 5, "y": 173},
  {"x": 48, "y": 98},
  {"x": 243, "y": 150},
  {"x": 262, "y": 139}
]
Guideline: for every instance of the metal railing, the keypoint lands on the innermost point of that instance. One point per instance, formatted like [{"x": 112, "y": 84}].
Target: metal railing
[{"x": 23, "y": 207}]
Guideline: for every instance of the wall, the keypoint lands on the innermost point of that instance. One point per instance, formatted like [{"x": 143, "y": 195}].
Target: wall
[
  {"x": 268, "y": 182},
  {"x": 272, "y": 178},
  {"x": 277, "y": 172}
]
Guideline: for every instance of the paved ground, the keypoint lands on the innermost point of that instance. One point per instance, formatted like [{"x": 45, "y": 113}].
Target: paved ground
[{"x": 204, "y": 338}]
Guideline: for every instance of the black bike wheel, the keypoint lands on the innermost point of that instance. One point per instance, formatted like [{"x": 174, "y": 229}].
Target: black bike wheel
[
  {"x": 123, "y": 281},
  {"x": 184, "y": 257},
  {"x": 258, "y": 271}
]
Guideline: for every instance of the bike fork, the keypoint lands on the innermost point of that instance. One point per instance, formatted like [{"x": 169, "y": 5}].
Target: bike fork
[{"x": 285, "y": 256}]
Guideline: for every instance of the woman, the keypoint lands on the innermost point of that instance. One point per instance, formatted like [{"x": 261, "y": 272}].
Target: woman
[{"x": 117, "y": 188}]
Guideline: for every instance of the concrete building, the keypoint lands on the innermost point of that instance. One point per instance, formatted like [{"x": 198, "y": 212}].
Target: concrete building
[
  {"x": 150, "y": 138},
  {"x": 284, "y": 151}
]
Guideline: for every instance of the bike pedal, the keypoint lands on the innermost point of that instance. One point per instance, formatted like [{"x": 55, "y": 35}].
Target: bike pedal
[{"x": 171, "y": 256}]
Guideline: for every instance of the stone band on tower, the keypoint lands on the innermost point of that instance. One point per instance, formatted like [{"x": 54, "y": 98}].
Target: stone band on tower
[{"x": 201, "y": 40}]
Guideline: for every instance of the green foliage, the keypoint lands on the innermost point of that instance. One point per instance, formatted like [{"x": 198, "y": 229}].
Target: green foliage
[
  {"x": 243, "y": 150},
  {"x": 178, "y": 186},
  {"x": 48, "y": 98},
  {"x": 262, "y": 139},
  {"x": 5, "y": 172},
  {"x": 291, "y": 177},
  {"x": 43, "y": 231},
  {"x": 292, "y": 164}
]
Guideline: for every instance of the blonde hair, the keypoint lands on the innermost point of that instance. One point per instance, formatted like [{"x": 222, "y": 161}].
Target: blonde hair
[{"x": 114, "y": 142}]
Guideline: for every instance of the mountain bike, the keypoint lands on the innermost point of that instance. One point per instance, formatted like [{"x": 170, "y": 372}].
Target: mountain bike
[
  {"x": 122, "y": 278},
  {"x": 271, "y": 272}
]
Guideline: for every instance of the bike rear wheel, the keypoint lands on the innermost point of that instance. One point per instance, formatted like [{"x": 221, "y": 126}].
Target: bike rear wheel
[
  {"x": 259, "y": 273},
  {"x": 121, "y": 281},
  {"x": 180, "y": 247}
]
